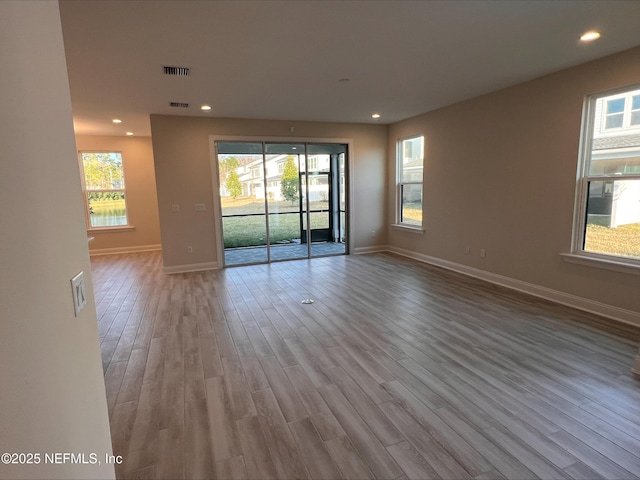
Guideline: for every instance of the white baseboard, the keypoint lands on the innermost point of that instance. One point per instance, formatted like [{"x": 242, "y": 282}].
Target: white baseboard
[
  {"x": 115, "y": 250},
  {"x": 374, "y": 249},
  {"x": 190, "y": 267},
  {"x": 615, "y": 313}
]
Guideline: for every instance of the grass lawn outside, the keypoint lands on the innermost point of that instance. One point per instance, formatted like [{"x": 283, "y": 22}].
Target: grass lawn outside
[
  {"x": 412, "y": 213},
  {"x": 622, "y": 241},
  {"x": 102, "y": 205},
  {"x": 245, "y": 205},
  {"x": 251, "y": 231}
]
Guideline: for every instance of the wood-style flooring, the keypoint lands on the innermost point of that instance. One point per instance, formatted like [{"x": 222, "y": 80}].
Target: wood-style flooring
[{"x": 398, "y": 370}]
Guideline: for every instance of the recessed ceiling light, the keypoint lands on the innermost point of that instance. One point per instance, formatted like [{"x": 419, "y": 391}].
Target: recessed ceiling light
[
  {"x": 376, "y": 115},
  {"x": 590, "y": 36},
  {"x": 129, "y": 134},
  {"x": 205, "y": 108},
  {"x": 116, "y": 120}
]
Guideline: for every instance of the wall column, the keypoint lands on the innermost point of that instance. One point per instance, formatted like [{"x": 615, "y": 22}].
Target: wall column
[{"x": 53, "y": 394}]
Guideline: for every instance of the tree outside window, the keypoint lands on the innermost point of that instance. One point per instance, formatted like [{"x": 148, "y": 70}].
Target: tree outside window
[{"x": 289, "y": 180}]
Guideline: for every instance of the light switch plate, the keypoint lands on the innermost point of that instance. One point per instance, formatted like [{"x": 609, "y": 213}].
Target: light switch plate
[{"x": 79, "y": 292}]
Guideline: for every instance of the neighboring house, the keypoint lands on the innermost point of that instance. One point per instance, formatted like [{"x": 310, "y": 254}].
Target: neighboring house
[
  {"x": 616, "y": 151},
  {"x": 251, "y": 176}
]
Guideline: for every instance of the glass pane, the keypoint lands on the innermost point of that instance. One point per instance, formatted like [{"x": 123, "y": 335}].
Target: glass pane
[
  {"x": 635, "y": 102},
  {"x": 609, "y": 164},
  {"x": 411, "y": 210},
  {"x": 613, "y": 218},
  {"x": 284, "y": 235},
  {"x": 103, "y": 170},
  {"x": 412, "y": 151},
  {"x": 283, "y": 194},
  {"x": 319, "y": 209},
  {"x": 614, "y": 121},
  {"x": 319, "y": 200},
  {"x": 107, "y": 209},
  {"x": 242, "y": 192},
  {"x": 241, "y": 179},
  {"x": 283, "y": 182},
  {"x": 615, "y": 152},
  {"x": 319, "y": 163},
  {"x": 284, "y": 228},
  {"x": 615, "y": 106},
  {"x": 244, "y": 231}
]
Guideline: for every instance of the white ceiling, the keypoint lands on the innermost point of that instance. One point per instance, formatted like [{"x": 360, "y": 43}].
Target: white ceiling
[{"x": 284, "y": 59}]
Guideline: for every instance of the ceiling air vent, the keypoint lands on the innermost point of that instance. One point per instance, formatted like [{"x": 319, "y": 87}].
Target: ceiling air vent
[
  {"x": 175, "y": 71},
  {"x": 178, "y": 104}
]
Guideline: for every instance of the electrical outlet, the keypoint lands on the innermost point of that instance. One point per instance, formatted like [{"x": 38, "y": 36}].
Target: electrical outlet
[
  {"x": 467, "y": 250},
  {"x": 175, "y": 208},
  {"x": 189, "y": 249},
  {"x": 373, "y": 233},
  {"x": 199, "y": 207},
  {"x": 483, "y": 252}
]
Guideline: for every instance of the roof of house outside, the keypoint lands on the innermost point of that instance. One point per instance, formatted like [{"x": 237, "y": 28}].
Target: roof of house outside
[{"x": 625, "y": 141}]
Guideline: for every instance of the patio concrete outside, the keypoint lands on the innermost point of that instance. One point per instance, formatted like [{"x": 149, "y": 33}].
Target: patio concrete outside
[{"x": 249, "y": 255}]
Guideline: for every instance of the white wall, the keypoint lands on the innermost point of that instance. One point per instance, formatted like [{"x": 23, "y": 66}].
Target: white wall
[
  {"x": 142, "y": 198},
  {"x": 182, "y": 156},
  {"x": 500, "y": 175},
  {"x": 52, "y": 396}
]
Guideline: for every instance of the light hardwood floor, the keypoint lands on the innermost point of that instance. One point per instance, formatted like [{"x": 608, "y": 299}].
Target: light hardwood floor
[{"x": 398, "y": 370}]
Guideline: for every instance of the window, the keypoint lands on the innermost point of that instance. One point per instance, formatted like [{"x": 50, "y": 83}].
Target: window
[
  {"x": 313, "y": 164},
  {"x": 615, "y": 113},
  {"x": 608, "y": 207},
  {"x": 104, "y": 189},
  {"x": 410, "y": 167},
  {"x": 621, "y": 111}
]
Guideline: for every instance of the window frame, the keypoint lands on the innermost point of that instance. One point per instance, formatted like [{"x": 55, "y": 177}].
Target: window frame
[
  {"x": 584, "y": 178},
  {"x": 85, "y": 192},
  {"x": 400, "y": 183}
]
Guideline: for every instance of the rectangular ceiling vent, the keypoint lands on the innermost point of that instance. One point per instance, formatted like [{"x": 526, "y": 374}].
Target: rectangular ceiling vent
[
  {"x": 179, "y": 104},
  {"x": 176, "y": 71}
]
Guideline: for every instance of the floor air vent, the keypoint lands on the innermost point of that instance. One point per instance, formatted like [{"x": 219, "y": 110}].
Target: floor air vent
[
  {"x": 178, "y": 104},
  {"x": 176, "y": 71}
]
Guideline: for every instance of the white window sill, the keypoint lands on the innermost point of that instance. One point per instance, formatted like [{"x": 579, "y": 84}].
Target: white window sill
[
  {"x": 119, "y": 228},
  {"x": 617, "y": 265},
  {"x": 408, "y": 228}
]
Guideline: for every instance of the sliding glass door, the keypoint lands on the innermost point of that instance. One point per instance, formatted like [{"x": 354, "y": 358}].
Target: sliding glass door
[{"x": 281, "y": 201}]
